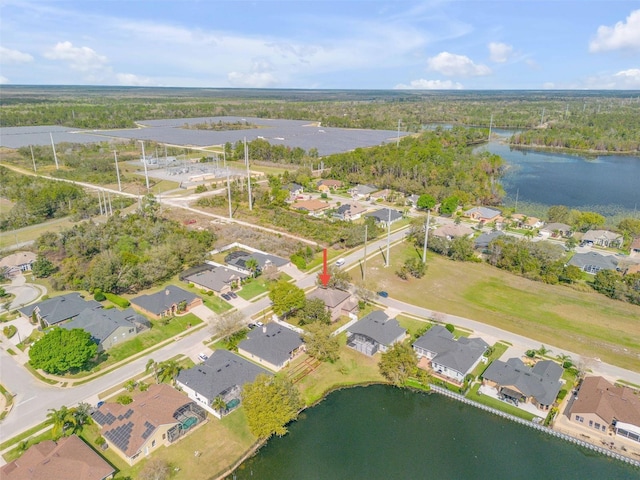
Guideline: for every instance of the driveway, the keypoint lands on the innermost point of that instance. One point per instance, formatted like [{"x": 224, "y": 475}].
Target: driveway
[{"x": 25, "y": 293}]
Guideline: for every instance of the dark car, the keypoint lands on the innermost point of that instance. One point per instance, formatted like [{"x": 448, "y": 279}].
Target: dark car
[
  {"x": 225, "y": 296},
  {"x": 383, "y": 294},
  {"x": 232, "y": 294}
]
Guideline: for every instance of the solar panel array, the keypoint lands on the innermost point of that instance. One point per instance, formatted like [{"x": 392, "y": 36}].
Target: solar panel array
[
  {"x": 149, "y": 428},
  {"x": 103, "y": 419},
  {"x": 120, "y": 436}
]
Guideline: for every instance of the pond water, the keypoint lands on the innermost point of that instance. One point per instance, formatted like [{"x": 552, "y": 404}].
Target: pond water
[
  {"x": 607, "y": 184},
  {"x": 382, "y": 433}
]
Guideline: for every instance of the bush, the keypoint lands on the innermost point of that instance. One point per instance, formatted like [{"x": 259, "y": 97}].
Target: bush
[
  {"x": 530, "y": 353},
  {"x": 99, "y": 296},
  {"x": 201, "y": 188},
  {"x": 119, "y": 301},
  {"x": 450, "y": 327},
  {"x": 124, "y": 399},
  {"x": 100, "y": 441},
  {"x": 9, "y": 331},
  {"x": 561, "y": 394},
  {"x": 299, "y": 261}
]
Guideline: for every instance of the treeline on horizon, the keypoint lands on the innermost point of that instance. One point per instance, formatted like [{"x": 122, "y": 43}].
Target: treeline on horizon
[{"x": 606, "y": 121}]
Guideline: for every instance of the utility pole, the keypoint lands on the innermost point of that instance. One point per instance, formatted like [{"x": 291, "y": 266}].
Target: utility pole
[
  {"x": 398, "y": 138},
  {"x": 246, "y": 160},
  {"x": 388, "y": 238},
  {"x": 100, "y": 203},
  {"x": 490, "y": 126},
  {"x": 33, "y": 159},
  {"x": 364, "y": 259},
  {"x": 517, "y": 193},
  {"x": 229, "y": 193},
  {"x": 144, "y": 162},
  {"x": 426, "y": 238},
  {"x": 55, "y": 155},
  {"x": 542, "y": 118},
  {"x": 115, "y": 155}
]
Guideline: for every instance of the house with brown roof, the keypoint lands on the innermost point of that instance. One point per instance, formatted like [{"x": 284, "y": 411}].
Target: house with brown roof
[
  {"x": 483, "y": 214},
  {"x": 449, "y": 232},
  {"x": 312, "y": 206},
  {"x": 606, "y": 407},
  {"x": 603, "y": 238},
  {"x": 69, "y": 458},
  {"x": 328, "y": 184},
  {"x": 17, "y": 262},
  {"x": 525, "y": 221},
  {"x": 159, "y": 416},
  {"x": 556, "y": 230},
  {"x": 381, "y": 195},
  {"x": 338, "y": 302},
  {"x": 349, "y": 211}
]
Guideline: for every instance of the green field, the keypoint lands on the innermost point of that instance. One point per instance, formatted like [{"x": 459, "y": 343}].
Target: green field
[{"x": 583, "y": 322}]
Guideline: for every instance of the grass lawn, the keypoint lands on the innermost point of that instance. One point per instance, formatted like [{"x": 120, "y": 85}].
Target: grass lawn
[
  {"x": 34, "y": 231},
  {"x": 351, "y": 369},
  {"x": 413, "y": 325},
  {"x": 498, "y": 404},
  {"x": 254, "y": 288},
  {"x": 217, "y": 304},
  {"x": 584, "y": 322},
  {"x": 498, "y": 350}
]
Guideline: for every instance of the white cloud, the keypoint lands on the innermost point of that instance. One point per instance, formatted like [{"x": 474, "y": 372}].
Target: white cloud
[
  {"x": 83, "y": 59},
  {"x": 423, "y": 84},
  {"x": 259, "y": 75},
  {"x": 132, "y": 80},
  {"x": 3, "y": 80},
  {"x": 500, "y": 52},
  {"x": 628, "y": 78},
  {"x": 451, "y": 64},
  {"x": 622, "y": 36},
  {"x": 549, "y": 85},
  {"x": 8, "y": 55},
  {"x": 622, "y": 80}
]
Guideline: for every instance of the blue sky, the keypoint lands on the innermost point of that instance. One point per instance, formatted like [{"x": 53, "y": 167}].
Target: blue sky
[{"x": 346, "y": 44}]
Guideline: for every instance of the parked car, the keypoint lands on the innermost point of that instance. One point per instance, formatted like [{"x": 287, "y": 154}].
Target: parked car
[
  {"x": 202, "y": 356},
  {"x": 259, "y": 324},
  {"x": 383, "y": 294},
  {"x": 251, "y": 326},
  {"x": 225, "y": 296},
  {"x": 232, "y": 294}
]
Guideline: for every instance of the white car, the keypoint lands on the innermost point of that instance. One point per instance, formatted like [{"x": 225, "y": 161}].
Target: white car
[
  {"x": 202, "y": 356},
  {"x": 340, "y": 262}
]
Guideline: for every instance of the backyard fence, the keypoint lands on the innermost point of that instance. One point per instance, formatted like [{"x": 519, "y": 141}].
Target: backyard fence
[{"x": 536, "y": 426}]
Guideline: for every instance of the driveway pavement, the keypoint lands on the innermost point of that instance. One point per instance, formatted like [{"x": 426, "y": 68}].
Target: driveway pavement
[{"x": 25, "y": 293}]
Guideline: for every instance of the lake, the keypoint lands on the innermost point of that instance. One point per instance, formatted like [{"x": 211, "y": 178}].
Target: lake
[
  {"x": 381, "y": 433},
  {"x": 607, "y": 184}
]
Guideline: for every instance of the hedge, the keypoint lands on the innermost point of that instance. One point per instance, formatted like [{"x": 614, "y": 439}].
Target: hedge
[{"x": 121, "y": 302}]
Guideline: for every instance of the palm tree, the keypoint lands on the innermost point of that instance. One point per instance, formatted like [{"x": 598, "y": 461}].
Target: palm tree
[
  {"x": 219, "y": 404},
  {"x": 81, "y": 414},
  {"x": 63, "y": 420},
  {"x": 252, "y": 264},
  {"x": 168, "y": 370},
  {"x": 152, "y": 364},
  {"x": 543, "y": 350},
  {"x": 565, "y": 360}
]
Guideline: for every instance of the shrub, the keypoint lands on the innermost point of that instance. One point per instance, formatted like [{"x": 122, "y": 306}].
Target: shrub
[
  {"x": 450, "y": 327},
  {"x": 299, "y": 261},
  {"x": 99, "y": 296},
  {"x": 201, "y": 188},
  {"x": 561, "y": 394},
  {"x": 530, "y": 353},
  {"x": 9, "y": 331},
  {"x": 100, "y": 441},
  {"x": 119, "y": 301},
  {"x": 124, "y": 399}
]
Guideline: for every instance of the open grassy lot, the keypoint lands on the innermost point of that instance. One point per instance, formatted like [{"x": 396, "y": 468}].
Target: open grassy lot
[
  {"x": 583, "y": 322},
  {"x": 26, "y": 234}
]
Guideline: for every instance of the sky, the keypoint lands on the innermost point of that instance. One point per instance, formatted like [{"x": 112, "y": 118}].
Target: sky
[{"x": 321, "y": 44}]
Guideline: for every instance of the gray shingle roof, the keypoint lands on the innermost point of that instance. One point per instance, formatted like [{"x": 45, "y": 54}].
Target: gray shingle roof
[
  {"x": 162, "y": 301},
  {"x": 220, "y": 372},
  {"x": 102, "y": 323},
  {"x": 240, "y": 257},
  {"x": 384, "y": 214},
  {"x": 485, "y": 239},
  {"x": 215, "y": 278},
  {"x": 332, "y": 297},
  {"x": 379, "y": 327},
  {"x": 484, "y": 212},
  {"x": 272, "y": 342},
  {"x": 57, "y": 309},
  {"x": 457, "y": 355},
  {"x": 542, "y": 382},
  {"x": 593, "y": 261}
]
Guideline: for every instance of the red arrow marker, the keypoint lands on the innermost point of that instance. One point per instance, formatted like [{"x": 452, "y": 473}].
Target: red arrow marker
[{"x": 324, "y": 276}]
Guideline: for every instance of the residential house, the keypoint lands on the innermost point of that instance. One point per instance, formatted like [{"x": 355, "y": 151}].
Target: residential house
[
  {"x": 58, "y": 309},
  {"x": 267, "y": 263},
  {"x": 593, "y": 262},
  {"x": 16, "y": 263},
  {"x": 607, "y": 408},
  {"x": 381, "y": 195},
  {"x": 312, "y": 206},
  {"x": 295, "y": 190},
  {"x": 412, "y": 200},
  {"x": 517, "y": 382},
  {"x": 483, "y": 214},
  {"x": 338, "y": 302},
  {"x": 362, "y": 192},
  {"x": 159, "y": 416},
  {"x": 603, "y": 238},
  {"x": 449, "y": 232},
  {"x": 108, "y": 327},
  {"x": 326, "y": 185},
  {"x": 634, "y": 248},
  {"x": 556, "y": 230},
  {"x": 166, "y": 303},
  {"x": 221, "y": 375},
  {"x": 213, "y": 278},
  {"x": 271, "y": 345},
  {"x": 349, "y": 211},
  {"x": 385, "y": 216},
  {"x": 525, "y": 221},
  {"x": 68, "y": 458},
  {"x": 374, "y": 332},
  {"x": 446, "y": 356},
  {"x": 484, "y": 239}
]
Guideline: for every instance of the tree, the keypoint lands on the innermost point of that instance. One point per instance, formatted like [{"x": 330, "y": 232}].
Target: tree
[
  {"x": 63, "y": 420},
  {"x": 252, "y": 265},
  {"x": 286, "y": 297},
  {"x": 62, "y": 350},
  {"x": 565, "y": 360},
  {"x": 270, "y": 403},
  {"x": 426, "y": 202},
  {"x": 449, "y": 205},
  {"x": 219, "y": 404},
  {"x": 227, "y": 323},
  {"x": 461, "y": 249},
  {"x": 606, "y": 282},
  {"x": 152, "y": 365},
  {"x": 398, "y": 363},
  {"x": 321, "y": 343},
  {"x": 42, "y": 267},
  {"x": 314, "y": 310},
  {"x": 340, "y": 279},
  {"x": 168, "y": 370},
  {"x": 155, "y": 469},
  {"x": 543, "y": 350},
  {"x": 559, "y": 214},
  {"x": 588, "y": 220}
]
